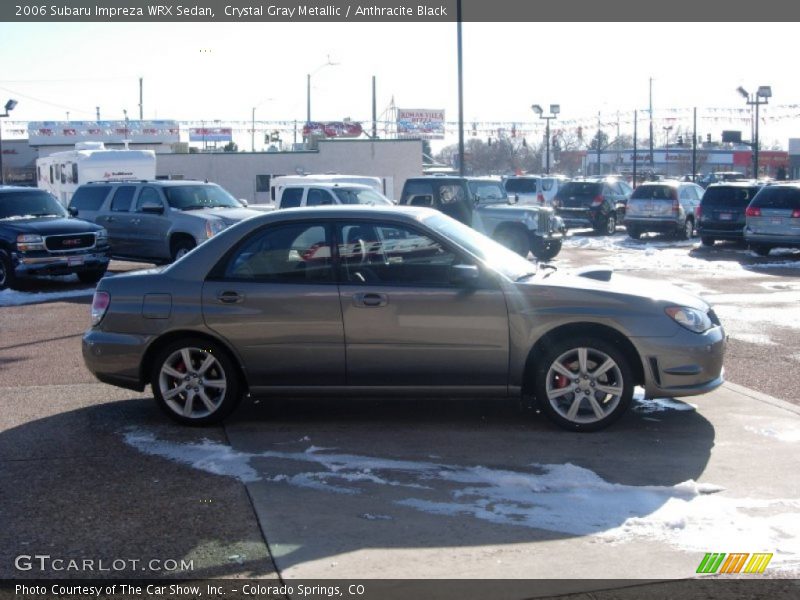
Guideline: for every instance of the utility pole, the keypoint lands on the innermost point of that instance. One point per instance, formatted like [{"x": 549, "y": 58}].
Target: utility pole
[
  {"x": 97, "y": 108},
  {"x": 141, "y": 106},
  {"x": 460, "y": 94},
  {"x": 652, "y": 164},
  {"x": 635, "y": 147},
  {"x": 694, "y": 145},
  {"x": 374, "y": 111}
]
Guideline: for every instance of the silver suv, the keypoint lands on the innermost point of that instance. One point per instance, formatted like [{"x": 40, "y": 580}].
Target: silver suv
[
  {"x": 157, "y": 221},
  {"x": 663, "y": 207}
]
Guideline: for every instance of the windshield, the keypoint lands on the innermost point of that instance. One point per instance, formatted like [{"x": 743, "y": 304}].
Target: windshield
[
  {"x": 488, "y": 191},
  {"x": 191, "y": 197},
  {"x": 26, "y": 205},
  {"x": 498, "y": 257},
  {"x": 361, "y": 196},
  {"x": 522, "y": 185}
]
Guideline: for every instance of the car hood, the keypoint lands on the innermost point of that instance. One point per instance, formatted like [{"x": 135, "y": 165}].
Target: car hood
[
  {"x": 228, "y": 215},
  {"x": 602, "y": 280},
  {"x": 50, "y": 226}
]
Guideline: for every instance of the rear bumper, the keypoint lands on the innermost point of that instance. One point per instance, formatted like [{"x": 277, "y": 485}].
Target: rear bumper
[
  {"x": 25, "y": 265},
  {"x": 708, "y": 230},
  {"x": 579, "y": 217},
  {"x": 665, "y": 225},
  {"x": 792, "y": 241},
  {"x": 115, "y": 358}
]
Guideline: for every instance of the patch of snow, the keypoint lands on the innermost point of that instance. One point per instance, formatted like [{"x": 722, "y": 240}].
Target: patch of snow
[
  {"x": 791, "y": 435},
  {"x": 17, "y": 298},
  {"x": 371, "y": 517},
  {"x": 563, "y": 498},
  {"x": 654, "y": 405}
]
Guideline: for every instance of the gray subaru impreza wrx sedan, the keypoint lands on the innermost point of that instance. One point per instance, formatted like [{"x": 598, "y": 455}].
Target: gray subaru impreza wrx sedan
[{"x": 376, "y": 301}]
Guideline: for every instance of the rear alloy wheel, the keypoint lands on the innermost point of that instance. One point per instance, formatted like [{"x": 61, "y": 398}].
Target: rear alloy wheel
[
  {"x": 181, "y": 247},
  {"x": 195, "y": 382},
  {"x": 545, "y": 250},
  {"x": 707, "y": 241},
  {"x": 583, "y": 384},
  {"x": 608, "y": 226},
  {"x": 687, "y": 231},
  {"x": 7, "y": 277},
  {"x": 514, "y": 239}
]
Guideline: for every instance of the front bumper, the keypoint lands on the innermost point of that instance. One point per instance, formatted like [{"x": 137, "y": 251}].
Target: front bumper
[
  {"x": 62, "y": 264},
  {"x": 115, "y": 358},
  {"x": 685, "y": 364}
]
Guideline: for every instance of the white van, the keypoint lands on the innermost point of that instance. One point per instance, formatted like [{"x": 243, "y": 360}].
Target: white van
[
  {"x": 325, "y": 193},
  {"x": 383, "y": 186},
  {"x": 534, "y": 189}
]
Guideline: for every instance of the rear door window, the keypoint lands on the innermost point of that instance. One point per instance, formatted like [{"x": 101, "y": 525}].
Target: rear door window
[
  {"x": 291, "y": 197},
  {"x": 121, "y": 202},
  {"x": 318, "y": 197}
]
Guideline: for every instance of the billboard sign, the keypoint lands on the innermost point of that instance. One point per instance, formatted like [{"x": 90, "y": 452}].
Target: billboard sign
[
  {"x": 59, "y": 133},
  {"x": 210, "y": 134},
  {"x": 333, "y": 129},
  {"x": 420, "y": 123}
]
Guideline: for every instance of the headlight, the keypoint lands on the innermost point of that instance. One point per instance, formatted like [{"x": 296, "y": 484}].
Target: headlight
[
  {"x": 690, "y": 318},
  {"x": 214, "y": 227},
  {"x": 29, "y": 241}
]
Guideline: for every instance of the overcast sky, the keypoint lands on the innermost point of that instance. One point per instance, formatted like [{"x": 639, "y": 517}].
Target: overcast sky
[{"x": 221, "y": 71}]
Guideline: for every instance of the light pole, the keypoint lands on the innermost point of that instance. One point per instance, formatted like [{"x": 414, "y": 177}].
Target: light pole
[
  {"x": 761, "y": 96},
  {"x": 327, "y": 63},
  {"x": 253, "y": 125},
  {"x": 8, "y": 108},
  {"x": 554, "y": 110},
  {"x": 667, "y": 129}
]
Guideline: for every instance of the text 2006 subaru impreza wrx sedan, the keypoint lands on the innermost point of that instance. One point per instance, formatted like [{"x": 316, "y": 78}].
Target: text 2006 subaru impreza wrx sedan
[{"x": 341, "y": 300}]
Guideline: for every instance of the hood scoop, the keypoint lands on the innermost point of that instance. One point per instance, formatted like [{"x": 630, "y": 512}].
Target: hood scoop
[{"x": 596, "y": 272}]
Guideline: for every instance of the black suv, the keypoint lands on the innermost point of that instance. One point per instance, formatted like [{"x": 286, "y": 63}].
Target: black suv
[
  {"x": 596, "y": 203},
  {"x": 38, "y": 237},
  {"x": 720, "y": 215}
]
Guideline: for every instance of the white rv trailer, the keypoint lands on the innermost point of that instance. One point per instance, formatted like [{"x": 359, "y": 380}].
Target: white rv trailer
[
  {"x": 381, "y": 185},
  {"x": 61, "y": 173}
]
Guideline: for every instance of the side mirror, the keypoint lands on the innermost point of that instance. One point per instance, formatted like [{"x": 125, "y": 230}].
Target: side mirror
[
  {"x": 73, "y": 212},
  {"x": 513, "y": 199},
  {"x": 243, "y": 202},
  {"x": 152, "y": 208},
  {"x": 463, "y": 274}
]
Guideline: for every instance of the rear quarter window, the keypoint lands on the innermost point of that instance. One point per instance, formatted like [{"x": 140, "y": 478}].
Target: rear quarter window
[
  {"x": 291, "y": 197},
  {"x": 778, "y": 197},
  {"x": 90, "y": 197}
]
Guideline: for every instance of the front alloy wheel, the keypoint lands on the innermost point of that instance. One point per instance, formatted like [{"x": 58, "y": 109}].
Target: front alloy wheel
[
  {"x": 195, "y": 382},
  {"x": 583, "y": 384}
]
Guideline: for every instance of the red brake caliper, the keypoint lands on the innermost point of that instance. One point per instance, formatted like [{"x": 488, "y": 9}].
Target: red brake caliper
[{"x": 560, "y": 380}]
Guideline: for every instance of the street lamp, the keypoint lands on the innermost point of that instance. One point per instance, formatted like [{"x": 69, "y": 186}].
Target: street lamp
[
  {"x": 667, "y": 129},
  {"x": 253, "y": 125},
  {"x": 762, "y": 96},
  {"x": 10, "y": 105},
  {"x": 327, "y": 63},
  {"x": 554, "y": 110}
]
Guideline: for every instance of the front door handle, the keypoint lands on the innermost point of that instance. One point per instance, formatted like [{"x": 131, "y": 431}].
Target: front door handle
[
  {"x": 230, "y": 297},
  {"x": 370, "y": 300}
]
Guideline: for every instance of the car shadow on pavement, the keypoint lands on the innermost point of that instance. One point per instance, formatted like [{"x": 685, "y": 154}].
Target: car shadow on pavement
[{"x": 72, "y": 489}]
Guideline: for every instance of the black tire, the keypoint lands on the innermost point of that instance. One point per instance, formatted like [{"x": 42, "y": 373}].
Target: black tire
[
  {"x": 607, "y": 226},
  {"x": 708, "y": 241},
  {"x": 181, "y": 246},
  {"x": 91, "y": 277},
  {"x": 545, "y": 249},
  {"x": 634, "y": 233},
  {"x": 585, "y": 415},
  {"x": 8, "y": 278},
  {"x": 514, "y": 239},
  {"x": 760, "y": 249},
  {"x": 174, "y": 393},
  {"x": 686, "y": 231}
]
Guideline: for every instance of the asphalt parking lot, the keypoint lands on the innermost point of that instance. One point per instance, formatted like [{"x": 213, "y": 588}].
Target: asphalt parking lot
[{"x": 312, "y": 489}]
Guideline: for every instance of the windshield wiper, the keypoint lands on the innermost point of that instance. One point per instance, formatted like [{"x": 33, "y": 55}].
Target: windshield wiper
[
  {"x": 524, "y": 276},
  {"x": 47, "y": 215}
]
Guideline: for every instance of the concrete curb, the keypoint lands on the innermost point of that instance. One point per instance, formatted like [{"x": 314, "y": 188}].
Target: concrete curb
[{"x": 766, "y": 399}]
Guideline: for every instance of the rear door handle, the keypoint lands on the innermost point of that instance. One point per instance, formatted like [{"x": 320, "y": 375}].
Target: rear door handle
[
  {"x": 370, "y": 300},
  {"x": 230, "y": 297}
]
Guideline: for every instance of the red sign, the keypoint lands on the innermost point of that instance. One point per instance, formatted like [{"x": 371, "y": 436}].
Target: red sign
[{"x": 332, "y": 129}]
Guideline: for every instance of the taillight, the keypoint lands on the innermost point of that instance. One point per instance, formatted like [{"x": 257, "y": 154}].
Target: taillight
[
  {"x": 796, "y": 213},
  {"x": 597, "y": 201},
  {"x": 676, "y": 206},
  {"x": 540, "y": 197},
  {"x": 698, "y": 212},
  {"x": 100, "y": 304},
  {"x": 753, "y": 211}
]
